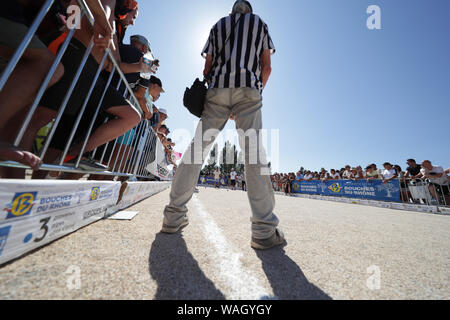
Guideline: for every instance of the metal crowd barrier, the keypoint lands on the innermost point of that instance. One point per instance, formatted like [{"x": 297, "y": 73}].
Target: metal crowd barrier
[
  {"x": 136, "y": 150},
  {"x": 416, "y": 191},
  {"x": 413, "y": 191}
]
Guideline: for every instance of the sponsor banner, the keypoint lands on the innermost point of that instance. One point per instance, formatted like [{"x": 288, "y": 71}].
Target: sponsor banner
[
  {"x": 158, "y": 168},
  {"x": 205, "y": 180},
  {"x": 137, "y": 191},
  {"x": 361, "y": 189},
  {"x": 65, "y": 208},
  {"x": 22, "y": 199},
  {"x": 444, "y": 210}
]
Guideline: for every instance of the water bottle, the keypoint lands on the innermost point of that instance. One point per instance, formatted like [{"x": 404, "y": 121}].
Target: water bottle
[{"x": 151, "y": 66}]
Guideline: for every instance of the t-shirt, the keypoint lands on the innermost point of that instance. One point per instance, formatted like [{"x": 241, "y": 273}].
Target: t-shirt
[
  {"x": 233, "y": 175},
  {"x": 308, "y": 177},
  {"x": 347, "y": 174},
  {"x": 156, "y": 118},
  {"x": 130, "y": 54},
  {"x": 436, "y": 170},
  {"x": 300, "y": 177},
  {"x": 372, "y": 174},
  {"x": 414, "y": 171},
  {"x": 387, "y": 174},
  {"x": 335, "y": 176},
  {"x": 238, "y": 66},
  {"x": 216, "y": 175}
]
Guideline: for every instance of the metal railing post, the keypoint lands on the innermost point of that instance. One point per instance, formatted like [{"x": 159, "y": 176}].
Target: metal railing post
[{"x": 24, "y": 44}]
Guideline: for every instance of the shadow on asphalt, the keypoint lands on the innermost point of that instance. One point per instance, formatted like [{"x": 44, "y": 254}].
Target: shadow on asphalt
[
  {"x": 286, "y": 278},
  {"x": 177, "y": 273}
]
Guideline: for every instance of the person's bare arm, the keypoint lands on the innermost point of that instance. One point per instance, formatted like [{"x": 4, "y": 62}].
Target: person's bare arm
[
  {"x": 140, "y": 95},
  {"x": 266, "y": 66},
  {"x": 208, "y": 65},
  {"x": 103, "y": 12},
  {"x": 101, "y": 25}
]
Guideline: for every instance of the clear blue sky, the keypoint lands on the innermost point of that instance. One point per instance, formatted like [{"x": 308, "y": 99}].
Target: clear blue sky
[{"x": 339, "y": 93}]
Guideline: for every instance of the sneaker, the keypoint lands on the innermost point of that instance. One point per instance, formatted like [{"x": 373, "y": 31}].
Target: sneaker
[
  {"x": 265, "y": 244},
  {"x": 171, "y": 230}
]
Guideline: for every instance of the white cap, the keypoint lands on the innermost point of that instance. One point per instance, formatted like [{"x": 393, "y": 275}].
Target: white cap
[{"x": 163, "y": 111}]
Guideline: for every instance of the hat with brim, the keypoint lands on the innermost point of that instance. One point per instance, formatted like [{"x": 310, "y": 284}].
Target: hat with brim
[
  {"x": 143, "y": 40},
  {"x": 157, "y": 81},
  {"x": 163, "y": 111}
]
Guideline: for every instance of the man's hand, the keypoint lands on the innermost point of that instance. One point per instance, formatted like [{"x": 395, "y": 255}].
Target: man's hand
[
  {"x": 103, "y": 31},
  {"x": 103, "y": 34}
]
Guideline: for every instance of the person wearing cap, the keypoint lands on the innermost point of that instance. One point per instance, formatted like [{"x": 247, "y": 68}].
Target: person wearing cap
[{"x": 234, "y": 88}]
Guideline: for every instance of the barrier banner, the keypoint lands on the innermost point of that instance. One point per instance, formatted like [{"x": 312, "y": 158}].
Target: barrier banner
[
  {"x": 137, "y": 191},
  {"x": 360, "y": 189},
  {"x": 36, "y": 213},
  {"x": 158, "y": 167},
  {"x": 204, "y": 180}
]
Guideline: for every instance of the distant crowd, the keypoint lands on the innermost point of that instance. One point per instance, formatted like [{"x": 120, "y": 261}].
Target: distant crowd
[{"x": 434, "y": 176}]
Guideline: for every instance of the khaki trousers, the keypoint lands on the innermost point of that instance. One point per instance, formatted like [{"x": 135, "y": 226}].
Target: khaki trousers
[{"x": 245, "y": 104}]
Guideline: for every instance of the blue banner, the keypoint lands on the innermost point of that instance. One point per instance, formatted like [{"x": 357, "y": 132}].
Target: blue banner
[
  {"x": 360, "y": 189},
  {"x": 205, "y": 180}
]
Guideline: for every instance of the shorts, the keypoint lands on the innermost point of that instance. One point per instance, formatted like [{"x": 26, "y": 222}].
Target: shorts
[
  {"x": 233, "y": 183},
  {"x": 54, "y": 96},
  {"x": 11, "y": 35}
]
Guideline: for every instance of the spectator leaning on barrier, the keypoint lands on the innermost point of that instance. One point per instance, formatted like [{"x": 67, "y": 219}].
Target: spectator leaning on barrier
[
  {"x": 125, "y": 13},
  {"x": 372, "y": 173},
  {"x": 346, "y": 175},
  {"x": 133, "y": 53},
  {"x": 324, "y": 175},
  {"x": 355, "y": 175},
  {"x": 124, "y": 115},
  {"x": 27, "y": 77},
  {"x": 413, "y": 170},
  {"x": 308, "y": 176},
  {"x": 389, "y": 173},
  {"x": 439, "y": 183},
  {"x": 334, "y": 175}
]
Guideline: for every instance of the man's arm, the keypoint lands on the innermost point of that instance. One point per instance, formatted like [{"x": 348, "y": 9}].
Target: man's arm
[
  {"x": 266, "y": 68},
  {"x": 140, "y": 95},
  {"x": 103, "y": 26},
  {"x": 208, "y": 65}
]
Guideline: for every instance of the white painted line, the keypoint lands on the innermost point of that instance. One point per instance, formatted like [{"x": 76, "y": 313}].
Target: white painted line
[{"x": 243, "y": 285}]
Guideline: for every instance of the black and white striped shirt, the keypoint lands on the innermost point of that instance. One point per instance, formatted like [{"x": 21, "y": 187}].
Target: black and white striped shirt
[{"x": 239, "y": 64}]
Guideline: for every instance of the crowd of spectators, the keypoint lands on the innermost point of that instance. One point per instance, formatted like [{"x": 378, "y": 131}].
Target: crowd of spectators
[
  {"x": 233, "y": 179},
  {"x": 435, "y": 177},
  {"x": 116, "y": 116}
]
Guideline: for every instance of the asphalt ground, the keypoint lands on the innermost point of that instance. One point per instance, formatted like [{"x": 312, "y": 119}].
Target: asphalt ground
[{"x": 334, "y": 251}]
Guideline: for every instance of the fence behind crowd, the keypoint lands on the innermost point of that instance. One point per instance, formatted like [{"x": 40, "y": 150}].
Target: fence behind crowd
[{"x": 133, "y": 154}]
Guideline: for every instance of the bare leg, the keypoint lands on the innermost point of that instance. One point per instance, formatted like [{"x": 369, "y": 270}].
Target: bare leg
[
  {"x": 25, "y": 81},
  {"x": 16, "y": 96},
  {"x": 41, "y": 118},
  {"x": 127, "y": 118}
]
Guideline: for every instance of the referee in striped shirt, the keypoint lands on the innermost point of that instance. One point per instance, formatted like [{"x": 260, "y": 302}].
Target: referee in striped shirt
[{"x": 238, "y": 65}]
